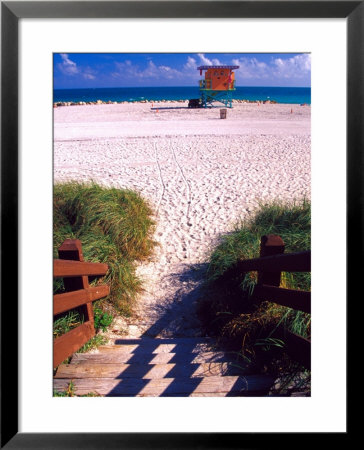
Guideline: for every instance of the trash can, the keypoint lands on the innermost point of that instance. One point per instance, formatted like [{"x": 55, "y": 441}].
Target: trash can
[{"x": 222, "y": 113}]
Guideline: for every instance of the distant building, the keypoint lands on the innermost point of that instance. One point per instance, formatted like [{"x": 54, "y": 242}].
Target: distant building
[{"x": 218, "y": 85}]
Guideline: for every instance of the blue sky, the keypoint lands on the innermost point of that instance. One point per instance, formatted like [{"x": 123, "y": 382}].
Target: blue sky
[{"x": 94, "y": 70}]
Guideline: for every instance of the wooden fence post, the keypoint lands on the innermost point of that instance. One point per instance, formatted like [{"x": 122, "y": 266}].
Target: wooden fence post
[
  {"x": 75, "y": 273},
  {"x": 270, "y": 244},
  {"x": 71, "y": 249}
]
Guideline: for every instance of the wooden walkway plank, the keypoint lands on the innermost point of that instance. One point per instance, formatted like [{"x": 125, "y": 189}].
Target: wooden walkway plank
[
  {"x": 152, "y": 358},
  {"x": 147, "y": 371},
  {"x": 167, "y": 340},
  {"x": 237, "y": 385},
  {"x": 151, "y": 347}
]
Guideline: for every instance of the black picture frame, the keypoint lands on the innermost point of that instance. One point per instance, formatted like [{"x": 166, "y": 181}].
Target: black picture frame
[{"x": 11, "y": 12}]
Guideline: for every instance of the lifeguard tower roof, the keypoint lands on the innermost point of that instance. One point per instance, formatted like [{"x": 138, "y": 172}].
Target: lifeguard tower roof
[{"x": 217, "y": 67}]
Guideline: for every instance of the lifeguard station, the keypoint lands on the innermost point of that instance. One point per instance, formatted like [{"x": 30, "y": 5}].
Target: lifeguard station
[{"x": 218, "y": 85}]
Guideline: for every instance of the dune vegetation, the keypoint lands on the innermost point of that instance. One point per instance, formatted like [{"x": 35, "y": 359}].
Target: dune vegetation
[
  {"x": 115, "y": 227},
  {"x": 227, "y": 309}
]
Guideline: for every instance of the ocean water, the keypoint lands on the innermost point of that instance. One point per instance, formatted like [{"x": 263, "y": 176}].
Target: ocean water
[{"x": 279, "y": 94}]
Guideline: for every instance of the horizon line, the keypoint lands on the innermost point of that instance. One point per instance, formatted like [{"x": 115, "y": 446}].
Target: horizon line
[{"x": 136, "y": 87}]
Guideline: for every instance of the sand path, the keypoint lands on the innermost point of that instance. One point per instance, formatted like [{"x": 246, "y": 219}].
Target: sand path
[{"x": 201, "y": 175}]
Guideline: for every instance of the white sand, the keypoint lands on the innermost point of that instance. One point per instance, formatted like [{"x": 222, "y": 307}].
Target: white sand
[{"x": 200, "y": 173}]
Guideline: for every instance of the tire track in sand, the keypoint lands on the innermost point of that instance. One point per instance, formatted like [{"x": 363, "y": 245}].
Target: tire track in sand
[
  {"x": 160, "y": 179},
  {"x": 186, "y": 183}
]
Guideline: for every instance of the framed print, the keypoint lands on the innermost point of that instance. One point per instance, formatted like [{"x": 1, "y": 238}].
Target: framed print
[{"x": 43, "y": 40}]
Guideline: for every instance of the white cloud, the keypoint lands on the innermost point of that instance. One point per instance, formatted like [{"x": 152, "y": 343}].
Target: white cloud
[
  {"x": 70, "y": 68},
  {"x": 150, "y": 72},
  {"x": 298, "y": 66},
  {"x": 125, "y": 69},
  {"x": 128, "y": 71},
  {"x": 294, "y": 70},
  {"x": 190, "y": 64},
  {"x": 208, "y": 62},
  {"x": 67, "y": 66},
  {"x": 251, "y": 68},
  {"x": 169, "y": 72},
  {"x": 89, "y": 76}
]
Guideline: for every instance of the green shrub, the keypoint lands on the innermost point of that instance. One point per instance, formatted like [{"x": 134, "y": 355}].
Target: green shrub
[
  {"x": 292, "y": 222},
  {"x": 66, "y": 322},
  {"x": 114, "y": 227},
  {"x": 102, "y": 319},
  {"x": 94, "y": 342},
  {"x": 227, "y": 309}
]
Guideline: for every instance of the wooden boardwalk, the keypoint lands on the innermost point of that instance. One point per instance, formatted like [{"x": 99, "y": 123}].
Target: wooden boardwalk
[{"x": 170, "y": 367}]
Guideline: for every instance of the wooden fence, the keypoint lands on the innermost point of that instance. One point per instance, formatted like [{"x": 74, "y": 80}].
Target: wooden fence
[
  {"x": 78, "y": 294},
  {"x": 269, "y": 265}
]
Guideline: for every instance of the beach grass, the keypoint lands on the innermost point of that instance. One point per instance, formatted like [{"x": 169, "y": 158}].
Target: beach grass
[
  {"x": 115, "y": 227},
  {"x": 227, "y": 309}
]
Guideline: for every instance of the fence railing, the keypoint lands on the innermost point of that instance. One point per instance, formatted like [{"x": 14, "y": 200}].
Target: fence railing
[
  {"x": 269, "y": 265},
  {"x": 78, "y": 295}
]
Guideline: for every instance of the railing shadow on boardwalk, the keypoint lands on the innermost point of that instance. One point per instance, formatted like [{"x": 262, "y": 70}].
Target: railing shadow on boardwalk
[{"x": 182, "y": 357}]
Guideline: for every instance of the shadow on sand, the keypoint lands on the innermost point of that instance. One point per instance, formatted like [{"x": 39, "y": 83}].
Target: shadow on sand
[{"x": 163, "y": 108}]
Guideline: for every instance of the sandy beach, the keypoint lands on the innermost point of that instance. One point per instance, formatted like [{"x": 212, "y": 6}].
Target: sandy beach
[{"x": 201, "y": 174}]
